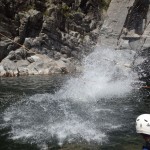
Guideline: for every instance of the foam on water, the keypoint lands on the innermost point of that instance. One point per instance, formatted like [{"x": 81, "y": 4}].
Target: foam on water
[
  {"x": 75, "y": 111},
  {"x": 105, "y": 75}
]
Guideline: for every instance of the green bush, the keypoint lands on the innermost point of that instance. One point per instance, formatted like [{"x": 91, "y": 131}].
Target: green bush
[{"x": 104, "y": 4}]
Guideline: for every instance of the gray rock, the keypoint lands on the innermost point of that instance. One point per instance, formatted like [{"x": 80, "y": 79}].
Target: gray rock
[
  {"x": 146, "y": 37},
  {"x": 22, "y": 71},
  {"x": 124, "y": 44},
  {"x": 10, "y": 67},
  {"x": 2, "y": 71},
  {"x": 35, "y": 16},
  {"x": 35, "y": 58},
  {"x": 74, "y": 54},
  {"x": 28, "y": 43},
  {"x": 65, "y": 50},
  {"x": 11, "y": 55},
  {"x": 22, "y": 63},
  {"x": 23, "y": 27},
  {"x": 3, "y": 48},
  {"x": 113, "y": 25},
  {"x": 32, "y": 69},
  {"x": 21, "y": 53},
  {"x": 50, "y": 54},
  {"x": 57, "y": 56},
  {"x": 30, "y": 59},
  {"x": 135, "y": 44},
  {"x": 63, "y": 32},
  {"x": 93, "y": 25},
  {"x": 37, "y": 42}
]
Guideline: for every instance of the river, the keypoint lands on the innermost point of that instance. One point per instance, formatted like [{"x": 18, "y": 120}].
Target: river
[{"x": 94, "y": 110}]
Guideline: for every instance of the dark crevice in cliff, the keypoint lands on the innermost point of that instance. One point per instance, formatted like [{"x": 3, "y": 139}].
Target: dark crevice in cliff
[{"x": 137, "y": 17}]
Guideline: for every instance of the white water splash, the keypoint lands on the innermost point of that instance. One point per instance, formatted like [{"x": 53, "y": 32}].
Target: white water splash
[
  {"x": 107, "y": 73},
  {"x": 77, "y": 109}
]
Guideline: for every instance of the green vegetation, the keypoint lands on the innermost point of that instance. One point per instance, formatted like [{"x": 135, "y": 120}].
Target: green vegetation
[
  {"x": 30, "y": 7},
  {"x": 46, "y": 13},
  {"x": 104, "y": 4},
  {"x": 66, "y": 11},
  {"x": 65, "y": 8}
]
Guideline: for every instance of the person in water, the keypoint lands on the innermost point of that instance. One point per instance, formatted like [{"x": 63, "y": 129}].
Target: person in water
[{"x": 143, "y": 127}]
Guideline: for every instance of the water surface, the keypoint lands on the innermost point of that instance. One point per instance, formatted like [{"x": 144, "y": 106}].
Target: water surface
[
  {"x": 32, "y": 119},
  {"x": 93, "y": 110}
]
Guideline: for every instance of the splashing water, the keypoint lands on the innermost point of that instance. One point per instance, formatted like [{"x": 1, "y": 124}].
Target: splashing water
[
  {"x": 107, "y": 73},
  {"x": 79, "y": 109}
]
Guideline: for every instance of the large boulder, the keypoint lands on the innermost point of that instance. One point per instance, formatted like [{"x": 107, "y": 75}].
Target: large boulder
[{"x": 34, "y": 64}]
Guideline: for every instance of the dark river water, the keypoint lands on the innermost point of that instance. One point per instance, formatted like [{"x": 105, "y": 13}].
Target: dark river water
[
  {"x": 94, "y": 110},
  {"x": 41, "y": 112}
]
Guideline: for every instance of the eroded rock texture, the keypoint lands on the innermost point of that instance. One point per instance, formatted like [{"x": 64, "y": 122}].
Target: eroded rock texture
[
  {"x": 64, "y": 29},
  {"x": 55, "y": 28}
]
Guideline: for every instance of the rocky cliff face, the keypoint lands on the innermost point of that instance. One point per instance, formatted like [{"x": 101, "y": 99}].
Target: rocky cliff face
[
  {"x": 53, "y": 29},
  {"x": 128, "y": 28}
]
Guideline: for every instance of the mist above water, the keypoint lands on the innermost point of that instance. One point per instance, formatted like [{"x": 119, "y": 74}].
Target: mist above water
[
  {"x": 79, "y": 109},
  {"x": 106, "y": 73}
]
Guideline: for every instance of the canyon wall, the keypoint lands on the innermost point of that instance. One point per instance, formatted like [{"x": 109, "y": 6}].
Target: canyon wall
[
  {"x": 127, "y": 27},
  {"x": 54, "y": 35}
]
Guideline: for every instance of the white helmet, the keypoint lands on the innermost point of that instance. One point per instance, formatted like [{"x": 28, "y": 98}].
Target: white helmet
[{"x": 143, "y": 124}]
